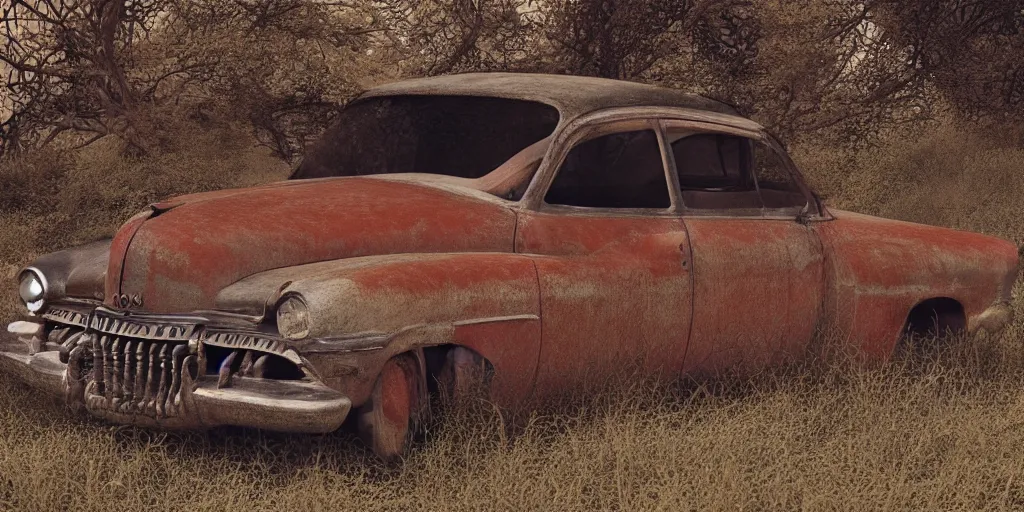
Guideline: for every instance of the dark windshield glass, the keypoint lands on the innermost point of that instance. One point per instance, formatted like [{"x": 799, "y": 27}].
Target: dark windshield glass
[{"x": 464, "y": 136}]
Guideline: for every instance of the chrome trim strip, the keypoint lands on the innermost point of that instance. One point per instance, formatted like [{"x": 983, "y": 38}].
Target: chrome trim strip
[
  {"x": 150, "y": 318},
  {"x": 251, "y": 341},
  {"x": 488, "y": 320},
  {"x": 137, "y": 328},
  {"x": 344, "y": 345},
  {"x": 245, "y": 341},
  {"x": 67, "y": 316}
]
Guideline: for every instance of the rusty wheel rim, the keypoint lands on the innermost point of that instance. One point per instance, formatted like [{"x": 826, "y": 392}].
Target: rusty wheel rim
[{"x": 388, "y": 419}]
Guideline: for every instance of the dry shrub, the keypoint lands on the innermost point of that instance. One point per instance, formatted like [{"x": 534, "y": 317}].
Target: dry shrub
[
  {"x": 947, "y": 175},
  {"x": 67, "y": 198}
]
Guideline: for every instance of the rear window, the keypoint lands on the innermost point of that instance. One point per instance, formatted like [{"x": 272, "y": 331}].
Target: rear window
[{"x": 463, "y": 136}]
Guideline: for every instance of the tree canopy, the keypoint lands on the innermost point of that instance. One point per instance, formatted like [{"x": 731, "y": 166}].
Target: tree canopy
[{"x": 80, "y": 70}]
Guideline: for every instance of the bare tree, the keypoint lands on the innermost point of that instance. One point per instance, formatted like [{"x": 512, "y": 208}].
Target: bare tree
[
  {"x": 432, "y": 37},
  {"x": 969, "y": 50},
  {"x": 626, "y": 39},
  {"x": 84, "y": 69},
  {"x": 829, "y": 68},
  {"x": 133, "y": 68},
  {"x": 282, "y": 66},
  {"x": 66, "y": 68}
]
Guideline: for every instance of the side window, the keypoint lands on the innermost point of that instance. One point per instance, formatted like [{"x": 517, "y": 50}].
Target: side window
[
  {"x": 778, "y": 190},
  {"x": 620, "y": 170},
  {"x": 729, "y": 172},
  {"x": 715, "y": 171},
  {"x": 712, "y": 161}
]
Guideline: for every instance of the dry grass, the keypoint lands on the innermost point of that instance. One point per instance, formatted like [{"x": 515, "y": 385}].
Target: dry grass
[{"x": 940, "y": 432}]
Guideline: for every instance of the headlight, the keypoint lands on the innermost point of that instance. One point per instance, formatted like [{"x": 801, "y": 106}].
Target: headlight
[
  {"x": 293, "y": 318},
  {"x": 32, "y": 289}
]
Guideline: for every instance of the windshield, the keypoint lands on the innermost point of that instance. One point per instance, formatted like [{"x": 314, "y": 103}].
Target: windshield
[{"x": 460, "y": 136}]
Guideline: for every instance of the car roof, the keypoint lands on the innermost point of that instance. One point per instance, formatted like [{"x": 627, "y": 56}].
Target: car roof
[{"x": 573, "y": 96}]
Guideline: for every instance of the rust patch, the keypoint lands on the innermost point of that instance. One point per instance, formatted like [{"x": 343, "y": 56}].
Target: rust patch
[
  {"x": 758, "y": 287},
  {"x": 879, "y": 269},
  {"x": 613, "y": 290},
  {"x": 513, "y": 347},
  {"x": 180, "y": 260},
  {"x": 118, "y": 252}
]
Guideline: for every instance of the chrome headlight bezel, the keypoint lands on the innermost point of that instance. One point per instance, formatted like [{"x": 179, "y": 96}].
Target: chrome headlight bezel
[
  {"x": 32, "y": 288},
  {"x": 293, "y": 317}
]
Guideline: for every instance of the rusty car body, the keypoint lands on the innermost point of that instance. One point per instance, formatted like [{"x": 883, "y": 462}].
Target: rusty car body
[{"x": 525, "y": 233}]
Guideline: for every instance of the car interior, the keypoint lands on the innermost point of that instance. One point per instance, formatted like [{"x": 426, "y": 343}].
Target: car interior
[
  {"x": 618, "y": 170},
  {"x": 717, "y": 172}
]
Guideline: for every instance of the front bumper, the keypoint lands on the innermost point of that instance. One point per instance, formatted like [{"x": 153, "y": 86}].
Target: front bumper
[{"x": 192, "y": 401}]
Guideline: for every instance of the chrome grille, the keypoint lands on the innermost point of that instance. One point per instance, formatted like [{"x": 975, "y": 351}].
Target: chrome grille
[
  {"x": 134, "y": 375},
  {"x": 146, "y": 365}
]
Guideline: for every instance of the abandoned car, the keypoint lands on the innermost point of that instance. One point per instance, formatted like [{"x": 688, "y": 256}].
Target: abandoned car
[{"x": 524, "y": 234}]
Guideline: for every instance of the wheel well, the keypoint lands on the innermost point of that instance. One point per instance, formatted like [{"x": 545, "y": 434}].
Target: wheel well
[
  {"x": 936, "y": 317},
  {"x": 436, "y": 359}
]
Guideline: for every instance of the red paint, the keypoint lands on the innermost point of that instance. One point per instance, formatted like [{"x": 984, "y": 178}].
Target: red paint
[
  {"x": 118, "y": 249},
  {"x": 428, "y": 275},
  {"x": 179, "y": 260},
  {"x": 395, "y": 399},
  {"x": 615, "y": 293},
  {"x": 665, "y": 294},
  {"x": 879, "y": 269},
  {"x": 513, "y": 348},
  {"x": 758, "y": 288},
  {"x": 395, "y": 292}
]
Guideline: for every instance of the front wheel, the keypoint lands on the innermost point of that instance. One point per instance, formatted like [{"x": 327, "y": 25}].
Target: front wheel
[{"x": 387, "y": 421}]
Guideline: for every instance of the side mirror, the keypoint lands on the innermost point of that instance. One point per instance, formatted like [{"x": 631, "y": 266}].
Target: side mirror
[{"x": 804, "y": 216}]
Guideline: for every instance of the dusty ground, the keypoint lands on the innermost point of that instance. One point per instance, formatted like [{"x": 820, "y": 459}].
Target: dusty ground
[{"x": 941, "y": 432}]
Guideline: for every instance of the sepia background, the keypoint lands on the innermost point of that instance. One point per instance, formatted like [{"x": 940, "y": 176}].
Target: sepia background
[{"x": 906, "y": 109}]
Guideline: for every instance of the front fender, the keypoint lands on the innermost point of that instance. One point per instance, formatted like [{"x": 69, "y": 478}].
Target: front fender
[
  {"x": 486, "y": 301},
  {"x": 385, "y": 294},
  {"x": 77, "y": 272}
]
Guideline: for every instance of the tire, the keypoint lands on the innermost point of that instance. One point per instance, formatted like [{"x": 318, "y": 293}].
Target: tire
[{"x": 388, "y": 421}]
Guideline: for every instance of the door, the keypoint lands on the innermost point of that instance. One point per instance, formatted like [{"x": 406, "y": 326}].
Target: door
[
  {"x": 758, "y": 292},
  {"x": 758, "y": 269},
  {"x": 612, "y": 260}
]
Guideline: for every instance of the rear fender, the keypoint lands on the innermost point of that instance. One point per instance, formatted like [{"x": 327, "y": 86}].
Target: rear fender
[{"x": 880, "y": 269}]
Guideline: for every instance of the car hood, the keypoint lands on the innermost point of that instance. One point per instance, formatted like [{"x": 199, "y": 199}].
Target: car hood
[{"x": 179, "y": 256}]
